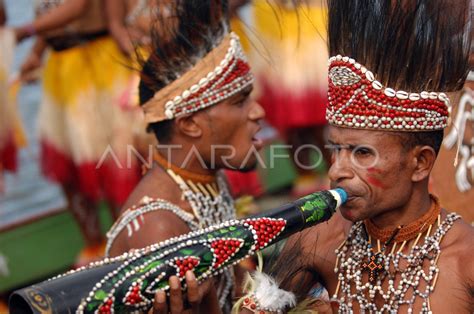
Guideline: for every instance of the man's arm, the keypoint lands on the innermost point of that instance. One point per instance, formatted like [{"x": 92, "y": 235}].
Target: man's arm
[
  {"x": 116, "y": 13},
  {"x": 156, "y": 227},
  {"x": 58, "y": 17},
  {"x": 159, "y": 226}
]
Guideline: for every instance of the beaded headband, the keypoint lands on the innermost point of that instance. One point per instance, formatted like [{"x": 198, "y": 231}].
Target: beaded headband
[
  {"x": 358, "y": 100},
  {"x": 222, "y": 73}
]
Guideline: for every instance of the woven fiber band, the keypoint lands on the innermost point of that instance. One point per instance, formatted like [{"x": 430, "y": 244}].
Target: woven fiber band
[{"x": 222, "y": 73}]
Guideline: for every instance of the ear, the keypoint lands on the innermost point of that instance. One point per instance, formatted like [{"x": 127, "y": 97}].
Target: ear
[
  {"x": 189, "y": 125},
  {"x": 425, "y": 157}
]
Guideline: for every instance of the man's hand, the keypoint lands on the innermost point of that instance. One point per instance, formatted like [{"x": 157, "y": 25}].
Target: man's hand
[
  {"x": 128, "y": 38},
  {"x": 195, "y": 294},
  {"x": 123, "y": 39},
  {"x": 28, "y": 68}
]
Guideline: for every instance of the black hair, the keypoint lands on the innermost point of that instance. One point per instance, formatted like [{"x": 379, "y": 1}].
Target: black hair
[
  {"x": 162, "y": 130},
  {"x": 410, "y": 45},
  {"x": 183, "y": 33},
  {"x": 410, "y": 140}
]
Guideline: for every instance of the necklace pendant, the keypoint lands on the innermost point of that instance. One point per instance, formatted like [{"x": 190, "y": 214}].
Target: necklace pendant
[{"x": 374, "y": 266}]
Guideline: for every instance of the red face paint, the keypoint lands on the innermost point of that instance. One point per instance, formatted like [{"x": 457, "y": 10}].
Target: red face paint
[{"x": 375, "y": 182}]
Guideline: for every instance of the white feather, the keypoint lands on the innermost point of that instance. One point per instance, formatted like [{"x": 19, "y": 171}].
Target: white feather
[
  {"x": 269, "y": 295},
  {"x": 461, "y": 176}
]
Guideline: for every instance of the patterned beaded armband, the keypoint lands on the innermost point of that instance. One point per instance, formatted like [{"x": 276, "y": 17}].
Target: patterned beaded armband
[
  {"x": 251, "y": 303},
  {"x": 265, "y": 296}
]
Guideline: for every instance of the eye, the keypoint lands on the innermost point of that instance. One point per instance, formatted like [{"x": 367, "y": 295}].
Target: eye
[
  {"x": 240, "y": 100},
  {"x": 363, "y": 151},
  {"x": 364, "y": 156},
  {"x": 241, "y": 103}
]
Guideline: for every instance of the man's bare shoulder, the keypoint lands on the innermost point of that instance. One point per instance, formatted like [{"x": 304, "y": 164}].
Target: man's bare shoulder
[
  {"x": 458, "y": 244},
  {"x": 156, "y": 184},
  {"x": 154, "y": 227},
  {"x": 456, "y": 273},
  {"x": 460, "y": 239}
]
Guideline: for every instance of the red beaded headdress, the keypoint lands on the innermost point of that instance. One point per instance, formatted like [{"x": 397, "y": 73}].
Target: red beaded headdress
[
  {"x": 222, "y": 73},
  {"x": 357, "y": 100}
]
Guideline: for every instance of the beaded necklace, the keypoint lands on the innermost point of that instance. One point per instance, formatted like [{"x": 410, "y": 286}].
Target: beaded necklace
[
  {"x": 211, "y": 204},
  {"x": 393, "y": 277},
  {"x": 208, "y": 195}
]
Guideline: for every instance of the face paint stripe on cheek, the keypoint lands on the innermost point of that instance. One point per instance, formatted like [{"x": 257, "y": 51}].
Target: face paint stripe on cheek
[
  {"x": 371, "y": 179},
  {"x": 375, "y": 182}
]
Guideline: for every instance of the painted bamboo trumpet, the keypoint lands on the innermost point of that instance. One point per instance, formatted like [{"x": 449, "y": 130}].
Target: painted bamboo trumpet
[{"x": 129, "y": 282}]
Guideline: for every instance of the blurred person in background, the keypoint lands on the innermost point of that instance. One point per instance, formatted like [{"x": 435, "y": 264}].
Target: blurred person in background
[
  {"x": 290, "y": 60},
  {"x": 84, "y": 134},
  {"x": 11, "y": 132},
  {"x": 129, "y": 23}
]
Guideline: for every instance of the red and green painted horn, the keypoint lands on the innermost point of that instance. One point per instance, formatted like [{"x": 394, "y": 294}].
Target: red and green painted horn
[{"x": 128, "y": 283}]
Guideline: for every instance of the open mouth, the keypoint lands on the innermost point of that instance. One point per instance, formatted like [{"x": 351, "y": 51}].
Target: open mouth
[
  {"x": 257, "y": 142},
  {"x": 257, "y": 139}
]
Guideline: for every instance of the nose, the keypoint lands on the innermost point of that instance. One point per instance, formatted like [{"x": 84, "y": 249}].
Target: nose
[
  {"x": 341, "y": 168},
  {"x": 256, "y": 111}
]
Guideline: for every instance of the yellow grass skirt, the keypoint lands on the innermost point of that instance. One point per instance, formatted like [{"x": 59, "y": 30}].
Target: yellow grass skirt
[
  {"x": 11, "y": 131},
  {"x": 289, "y": 57},
  {"x": 88, "y": 132}
]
